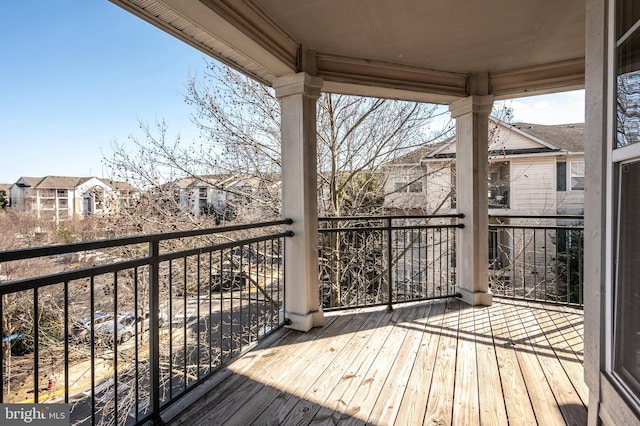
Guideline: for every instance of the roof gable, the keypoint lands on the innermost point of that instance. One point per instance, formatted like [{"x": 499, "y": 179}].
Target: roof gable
[
  {"x": 525, "y": 138},
  {"x": 26, "y": 181}
]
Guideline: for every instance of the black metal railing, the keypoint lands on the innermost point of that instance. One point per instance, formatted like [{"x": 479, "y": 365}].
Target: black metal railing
[
  {"x": 537, "y": 258},
  {"x": 374, "y": 260},
  {"x": 121, "y": 328}
]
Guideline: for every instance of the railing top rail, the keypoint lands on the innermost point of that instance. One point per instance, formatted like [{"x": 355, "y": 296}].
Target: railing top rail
[
  {"x": 385, "y": 227},
  {"x": 394, "y": 217},
  {"x": 60, "y": 277},
  {"x": 31, "y": 252},
  {"x": 512, "y": 226},
  {"x": 570, "y": 217}
]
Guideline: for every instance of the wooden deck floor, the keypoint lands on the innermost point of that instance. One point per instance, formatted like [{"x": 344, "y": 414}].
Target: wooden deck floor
[{"x": 439, "y": 363}]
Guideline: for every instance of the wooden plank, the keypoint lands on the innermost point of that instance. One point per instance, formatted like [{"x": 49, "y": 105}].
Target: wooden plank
[
  {"x": 572, "y": 408},
  {"x": 315, "y": 398},
  {"x": 365, "y": 397},
  {"x": 280, "y": 384},
  {"x": 490, "y": 393},
  {"x": 567, "y": 371},
  {"x": 542, "y": 400},
  {"x": 514, "y": 389},
  {"x": 414, "y": 401},
  {"x": 387, "y": 405},
  {"x": 181, "y": 409},
  {"x": 574, "y": 335},
  {"x": 466, "y": 409},
  {"x": 556, "y": 336},
  {"x": 227, "y": 379},
  {"x": 440, "y": 402},
  {"x": 335, "y": 407},
  {"x": 219, "y": 404}
]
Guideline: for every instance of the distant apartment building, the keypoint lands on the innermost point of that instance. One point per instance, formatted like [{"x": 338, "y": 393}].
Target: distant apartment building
[
  {"x": 533, "y": 170},
  {"x": 61, "y": 198},
  {"x": 219, "y": 194}
]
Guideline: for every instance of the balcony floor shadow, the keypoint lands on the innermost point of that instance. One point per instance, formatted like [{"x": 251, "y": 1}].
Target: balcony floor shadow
[{"x": 440, "y": 362}]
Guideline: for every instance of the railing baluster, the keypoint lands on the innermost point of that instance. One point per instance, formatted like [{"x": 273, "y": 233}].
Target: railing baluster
[
  {"x": 171, "y": 289},
  {"x": 36, "y": 347},
  {"x": 198, "y": 316},
  {"x": 154, "y": 336},
  {"x": 92, "y": 321},
  {"x": 138, "y": 340},
  {"x": 2, "y": 360},
  {"x": 65, "y": 291},
  {"x": 116, "y": 340},
  {"x": 389, "y": 265}
]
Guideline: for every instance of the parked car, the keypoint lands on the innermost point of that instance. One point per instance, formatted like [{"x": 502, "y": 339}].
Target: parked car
[
  {"x": 81, "y": 329},
  {"x": 126, "y": 326}
]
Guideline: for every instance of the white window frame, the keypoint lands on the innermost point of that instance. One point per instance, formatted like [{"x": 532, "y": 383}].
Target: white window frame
[
  {"x": 403, "y": 185},
  {"x": 615, "y": 156},
  {"x": 570, "y": 175}
]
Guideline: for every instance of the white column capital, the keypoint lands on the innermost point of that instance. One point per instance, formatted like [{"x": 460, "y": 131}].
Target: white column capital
[
  {"x": 297, "y": 84},
  {"x": 471, "y": 104}
]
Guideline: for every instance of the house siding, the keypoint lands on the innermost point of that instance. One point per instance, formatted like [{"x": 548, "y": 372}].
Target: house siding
[{"x": 533, "y": 185}]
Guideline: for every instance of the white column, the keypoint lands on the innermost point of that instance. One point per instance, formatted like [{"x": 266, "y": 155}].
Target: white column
[
  {"x": 298, "y": 94},
  {"x": 472, "y": 257}
]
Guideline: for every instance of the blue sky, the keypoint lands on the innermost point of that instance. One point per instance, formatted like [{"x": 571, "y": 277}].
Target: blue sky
[{"x": 78, "y": 75}]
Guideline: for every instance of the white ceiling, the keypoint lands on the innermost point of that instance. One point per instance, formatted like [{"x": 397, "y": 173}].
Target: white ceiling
[{"x": 415, "y": 49}]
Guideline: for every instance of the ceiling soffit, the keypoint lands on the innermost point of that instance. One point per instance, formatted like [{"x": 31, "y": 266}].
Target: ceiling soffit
[{"x": 242, "y": 35}]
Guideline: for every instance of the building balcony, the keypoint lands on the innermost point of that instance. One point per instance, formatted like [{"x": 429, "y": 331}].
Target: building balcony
[
  {"x": 439, "y": 362},
  {"x": 398, "y": 346}
]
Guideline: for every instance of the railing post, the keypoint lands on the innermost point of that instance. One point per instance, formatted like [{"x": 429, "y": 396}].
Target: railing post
[
  {"x": 154, "y": 329},
  {"x": 389, "y": 263}
]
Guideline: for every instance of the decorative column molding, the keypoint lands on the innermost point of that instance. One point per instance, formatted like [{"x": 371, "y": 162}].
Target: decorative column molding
[
  {"x": 298, "y": 94},
  {"x": 472, "y": 123}
]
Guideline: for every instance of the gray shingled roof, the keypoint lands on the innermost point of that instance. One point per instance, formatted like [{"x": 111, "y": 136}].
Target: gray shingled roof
[
  {"x": 416, "y": 155},
  {"x": 568, "y": 137},
  {"x": 59, "y": 182},
  {"x": 119, "y": 185},
  {"x": 30, "y": 181}
]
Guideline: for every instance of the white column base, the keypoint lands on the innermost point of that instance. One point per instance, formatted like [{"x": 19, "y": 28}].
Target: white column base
[
  {"x": 475, "y": 297},
  {"x": 304, "y": 322}
]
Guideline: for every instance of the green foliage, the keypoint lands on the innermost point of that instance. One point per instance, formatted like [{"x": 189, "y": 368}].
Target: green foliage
[{"x": 66, "y": 233}]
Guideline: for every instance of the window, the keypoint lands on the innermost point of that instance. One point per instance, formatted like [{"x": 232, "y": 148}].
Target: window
[
  {"x": 561, "y": 176},
  {"x": 61, "y": 193},
  {"x": 63, "y": 203},
  {"x": 203, "y": 192},
  {"x": 573, "y": 180},
  {"x": 406, "y": 185},
  {"x": 576, "y": 181},
  {"x": 627, "y": 327},
  {"x": 625, "y": 178},
  {"x": 47, "y": 204}
]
